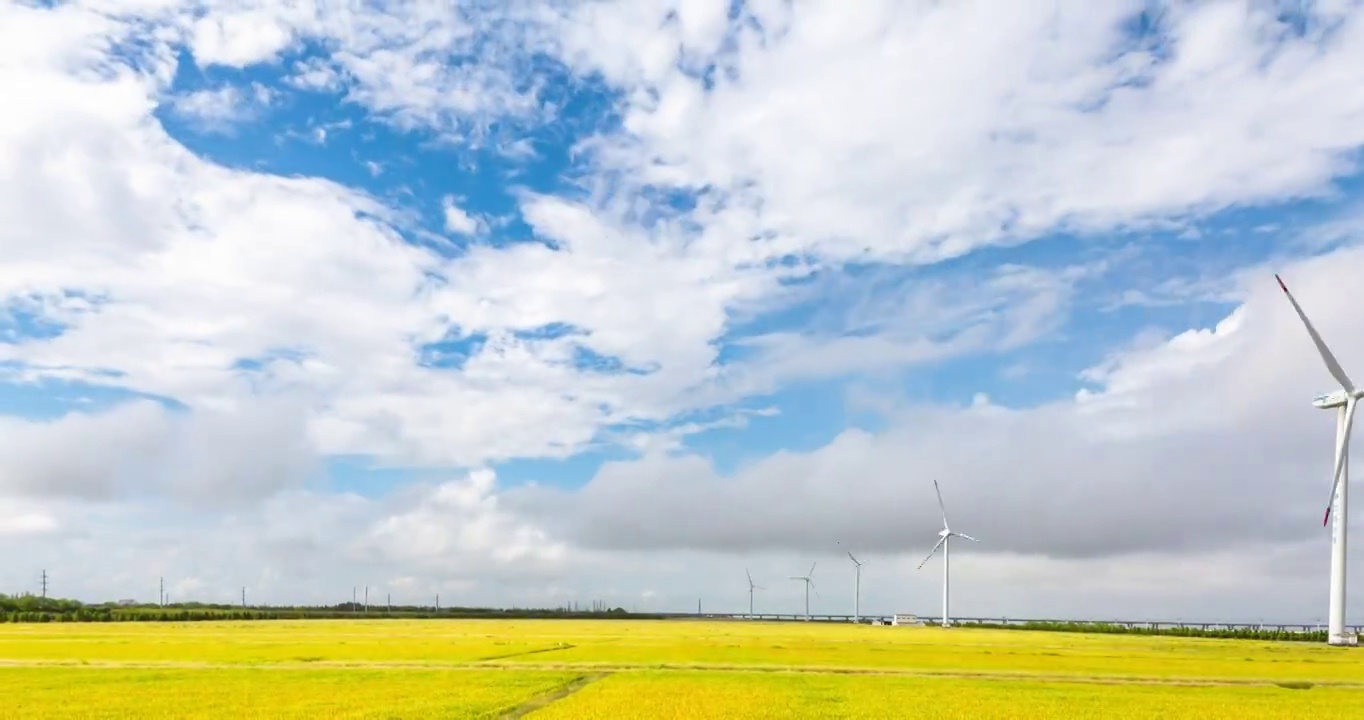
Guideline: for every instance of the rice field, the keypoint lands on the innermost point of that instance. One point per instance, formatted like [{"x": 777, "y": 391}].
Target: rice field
[{"x": 654, "y": 669}]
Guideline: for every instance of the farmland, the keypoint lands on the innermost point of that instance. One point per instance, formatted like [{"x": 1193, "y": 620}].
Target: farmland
[{"x": 653, "y": 669}]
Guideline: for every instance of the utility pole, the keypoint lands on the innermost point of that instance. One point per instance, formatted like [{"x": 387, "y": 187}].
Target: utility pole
[
  {"x": 698, "y": 606},
  {"x": 243, "y": 597},
  {"x": 44, "y": 584},
  {"x": 437, "y": 602}
]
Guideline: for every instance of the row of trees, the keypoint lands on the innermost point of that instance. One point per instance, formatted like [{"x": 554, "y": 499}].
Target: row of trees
[
  {"x": 33, "y": 609},
  {"x": 34, "y": 603},
  {"x": 30, "y": 608}
]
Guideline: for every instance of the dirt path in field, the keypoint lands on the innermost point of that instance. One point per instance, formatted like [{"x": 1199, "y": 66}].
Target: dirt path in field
[
  {"x": 521, "y": 653},
  {"x": 600, "y": 670},
  {"x": 540, "y": 701}
]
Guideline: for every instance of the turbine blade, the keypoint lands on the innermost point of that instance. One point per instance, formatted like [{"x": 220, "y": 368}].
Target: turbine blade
[
  {"x": 941, "y": 507},
  {"x": 1334, "y": 367},
  {"x": 941, "y": 540},
  {"x": 750, "y": 576},
  {"x": 1342, "y": 452},
  {"x": 812, "y": 569},
  {"x": 964, "y": 535},
  {"x": 850, "y": 556}
]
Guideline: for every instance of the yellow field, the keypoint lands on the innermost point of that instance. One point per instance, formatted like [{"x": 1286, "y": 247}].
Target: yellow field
[{"x": 654, "y": 669}]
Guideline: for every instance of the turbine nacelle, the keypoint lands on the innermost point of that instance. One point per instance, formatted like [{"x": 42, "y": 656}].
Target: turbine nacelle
[{"x": 1333, "y": 400}]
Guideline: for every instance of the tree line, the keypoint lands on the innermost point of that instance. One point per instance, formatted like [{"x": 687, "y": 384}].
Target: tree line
[{"x": 34, "y": 609}]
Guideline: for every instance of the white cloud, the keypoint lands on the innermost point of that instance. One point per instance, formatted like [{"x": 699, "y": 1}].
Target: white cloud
[
  {"x": 189, "y": 268},
  {"x": 890, "y": 324},
  {"x": 139, "y": 448},
  {"x": 220, "y": 109},
  {"x": 1205, "y": 442},
  {"x": 299, "y": 545},
  {"x": 23, "y": 519},
  {"x": 921, "y": 130},
  {"x": 315, "y": 74},
  {"x": 457, "y": 220},
  {"x": 241, "y": 34},
  {"x": 419, "y": 65},
  {"x": 461, "y": 518},
  {"x": 298, "y": 548}
]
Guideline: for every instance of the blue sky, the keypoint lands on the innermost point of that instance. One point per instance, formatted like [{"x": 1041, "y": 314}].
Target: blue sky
[{"x": 314, "y": 274}]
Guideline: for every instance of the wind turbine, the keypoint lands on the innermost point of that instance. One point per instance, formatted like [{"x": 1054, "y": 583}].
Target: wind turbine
[
  {"x": 751, "y": 588},
  {"x": 857, "y": 586},
  {"x": 943, "y": 535},
  {"x": 809, "y": 582},
  {"x": 1344, "y": 401}
]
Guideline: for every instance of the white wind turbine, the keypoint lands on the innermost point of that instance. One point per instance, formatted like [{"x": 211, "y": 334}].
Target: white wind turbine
[
  {"x": 943, "y": 535},
  {"x": 1344, "y": 401},
  {"x": 809, "y": 583},
  {"x": 857, "y": 586},
  {"x": 751, "y": 588}
]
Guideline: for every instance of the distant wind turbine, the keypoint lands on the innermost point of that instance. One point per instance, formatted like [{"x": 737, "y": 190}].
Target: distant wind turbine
[
  {"x": 1344, "y": 400},
  {"x": 809, "y": 583},
  {"x": 751, "y": 588},
  {"x": 857, "y": 587},
  {"x": 943, "y": 535}
]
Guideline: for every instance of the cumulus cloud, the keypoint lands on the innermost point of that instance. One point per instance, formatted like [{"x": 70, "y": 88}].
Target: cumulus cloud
[
  {"x": 222, "y": 109},
  {"x": 211, "y": 456},
  {"x": 428, "y": 527},
  {"x": 25, "y": 519},
  {"x": 458, "y": 220},
  {"x": 1204, "y": 442},
  {"x": 970, "y": 124}
]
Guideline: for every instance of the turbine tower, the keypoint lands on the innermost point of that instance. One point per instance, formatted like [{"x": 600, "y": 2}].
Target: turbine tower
[
  {"x": 751, "y": 588},
  {"x": 857, "y": 587},
  {"x": 808, "y": 584},
  {"x": 1343, "y": 401},
  {"x": 943, "y": 536}
]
